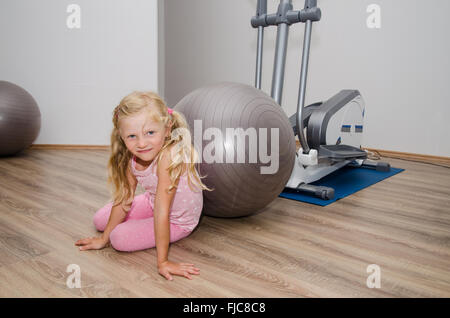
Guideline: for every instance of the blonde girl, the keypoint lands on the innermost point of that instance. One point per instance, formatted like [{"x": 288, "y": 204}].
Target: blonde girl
[{"x": 150, "y": 145}]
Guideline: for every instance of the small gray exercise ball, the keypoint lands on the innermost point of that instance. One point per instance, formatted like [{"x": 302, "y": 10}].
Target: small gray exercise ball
[
  {"x": 239, "y": 186},
  {"x": 20, "y": 119}
]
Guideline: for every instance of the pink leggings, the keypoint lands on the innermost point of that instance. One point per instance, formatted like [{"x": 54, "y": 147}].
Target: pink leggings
[{"x": 136, "y": 232}]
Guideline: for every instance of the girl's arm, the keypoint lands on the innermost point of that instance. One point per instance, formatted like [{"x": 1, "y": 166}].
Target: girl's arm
[
  {"x": 118, "y": 213},
  {"x": 116, "y": 217},
  {"x": 163, "y": 202}
]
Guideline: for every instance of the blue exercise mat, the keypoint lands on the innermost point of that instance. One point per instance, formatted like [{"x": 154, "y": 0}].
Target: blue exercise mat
[{"x": 344, "y": 181}]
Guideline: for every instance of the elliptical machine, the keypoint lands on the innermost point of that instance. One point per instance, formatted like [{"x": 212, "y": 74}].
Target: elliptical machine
[{"x": 329, "y": 132}]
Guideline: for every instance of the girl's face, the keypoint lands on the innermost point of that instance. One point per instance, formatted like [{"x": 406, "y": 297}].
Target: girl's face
[{"x": 143, "y": 137}]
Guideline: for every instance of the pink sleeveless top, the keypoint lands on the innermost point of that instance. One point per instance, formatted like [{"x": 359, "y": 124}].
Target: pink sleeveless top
[{"x": 187, "y": 204}]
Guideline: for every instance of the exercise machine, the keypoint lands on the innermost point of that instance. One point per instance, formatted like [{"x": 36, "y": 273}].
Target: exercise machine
[{"x": 329, "y": 132}]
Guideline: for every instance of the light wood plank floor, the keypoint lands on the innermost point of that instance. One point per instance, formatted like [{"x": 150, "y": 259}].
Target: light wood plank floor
[{"x": 291, "y": 249}]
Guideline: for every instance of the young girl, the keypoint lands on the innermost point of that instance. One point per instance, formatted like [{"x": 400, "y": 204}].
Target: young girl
[{"x": 150, "y": 145}]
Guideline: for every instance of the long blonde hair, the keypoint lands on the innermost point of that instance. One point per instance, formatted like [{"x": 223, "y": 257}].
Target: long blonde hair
[{"x": 183, "y": 154}]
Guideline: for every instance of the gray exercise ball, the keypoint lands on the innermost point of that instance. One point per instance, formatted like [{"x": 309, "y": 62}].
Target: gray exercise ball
[
  {"x": 239, "y": 186},
  {"x": 20, "y": 119}
]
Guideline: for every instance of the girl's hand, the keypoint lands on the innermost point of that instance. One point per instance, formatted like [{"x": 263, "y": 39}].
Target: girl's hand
[
  {"x": 181, "y": 269},
  {"x": 91, "y": 243}
]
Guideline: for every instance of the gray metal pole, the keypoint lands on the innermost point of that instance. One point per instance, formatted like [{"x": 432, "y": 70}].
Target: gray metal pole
[
  {"x": 280, "y": 58},
  {"x": 259, "y": 57},
  {"x": 302, "y": 88},
  {"x": 261, "y": 11}
]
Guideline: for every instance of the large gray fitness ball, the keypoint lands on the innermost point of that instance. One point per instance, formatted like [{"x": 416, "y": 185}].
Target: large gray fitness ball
[
  {"x": 20, "y": 119},
  {"x": 240, "y": 189}
]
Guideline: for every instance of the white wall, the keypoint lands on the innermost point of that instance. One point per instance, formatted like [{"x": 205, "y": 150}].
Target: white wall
[
  {"x": 78, "y": 76},
  {"x": 401, "y": 69}
]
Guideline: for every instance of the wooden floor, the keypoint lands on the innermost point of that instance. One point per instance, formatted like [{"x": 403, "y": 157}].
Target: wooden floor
[{"x": 291, "y": 249}]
